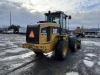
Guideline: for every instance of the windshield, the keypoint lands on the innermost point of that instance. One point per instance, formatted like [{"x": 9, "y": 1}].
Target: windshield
[
  {"x": 56, "y": 19},
  {"x": 53, "y": 19}
]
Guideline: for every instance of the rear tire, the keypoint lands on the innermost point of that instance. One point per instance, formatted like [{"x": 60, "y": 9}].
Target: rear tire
[
  {"x": 61, "y": 49},
  {"x": 79, "y": 44},
  {"x": 73, "y": 44}
]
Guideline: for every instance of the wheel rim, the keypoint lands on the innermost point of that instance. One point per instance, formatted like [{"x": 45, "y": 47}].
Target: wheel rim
[{"x": 65, "y": 51}]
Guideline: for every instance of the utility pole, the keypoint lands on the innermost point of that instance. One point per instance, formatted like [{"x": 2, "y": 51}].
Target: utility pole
[
  {"x": 98, "y": 26},
  {"x": 10, "y": 18}
]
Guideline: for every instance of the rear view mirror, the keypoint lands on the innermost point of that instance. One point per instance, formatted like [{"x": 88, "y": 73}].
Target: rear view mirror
[{"x": 69, "y": 17}]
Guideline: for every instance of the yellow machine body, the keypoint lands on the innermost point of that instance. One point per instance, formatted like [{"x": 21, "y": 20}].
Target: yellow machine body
[{"x": 45, "y": 46}]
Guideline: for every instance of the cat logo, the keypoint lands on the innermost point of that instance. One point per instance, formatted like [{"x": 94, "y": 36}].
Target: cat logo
[{"x": 31, "y": 35}]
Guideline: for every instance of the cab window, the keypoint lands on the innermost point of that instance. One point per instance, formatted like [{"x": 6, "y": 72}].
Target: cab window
[
  {"x": 44, "y": 31},
  {"x": 55, "y": 30}
]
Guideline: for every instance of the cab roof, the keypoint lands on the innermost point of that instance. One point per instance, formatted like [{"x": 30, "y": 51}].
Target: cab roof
[{"x": 57, "y": 13}]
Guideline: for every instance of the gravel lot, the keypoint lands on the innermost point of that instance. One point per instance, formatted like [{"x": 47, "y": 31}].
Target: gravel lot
[{"x": 15, "y": 60}]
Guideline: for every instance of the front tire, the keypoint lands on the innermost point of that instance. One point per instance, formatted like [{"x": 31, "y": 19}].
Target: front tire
[{"x": 61, "y": 49}]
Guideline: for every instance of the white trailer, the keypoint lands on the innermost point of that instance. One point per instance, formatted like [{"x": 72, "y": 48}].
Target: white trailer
[
  {"x": 11, "y": 31},
  {"x": 98, "y": 34},
  {"x": 22, "y": 30}
]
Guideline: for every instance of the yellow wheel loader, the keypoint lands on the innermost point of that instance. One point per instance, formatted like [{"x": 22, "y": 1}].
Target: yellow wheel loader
[
  {"x": 79, "y": 32},
  {"x": 51, "y": 35}
]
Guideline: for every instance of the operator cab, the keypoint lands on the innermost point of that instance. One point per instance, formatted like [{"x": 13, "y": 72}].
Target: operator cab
[
  {"x": 57, "y": 17},
  {"x": 54, "y": 24}
]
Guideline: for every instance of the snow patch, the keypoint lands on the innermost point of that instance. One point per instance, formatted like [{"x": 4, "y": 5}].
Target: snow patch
[
  {"x": 2, "y": 48},
  {"x": 22, "y": 56},
  {"x": 85, "y": 51},
  {"x": 88, "y": 63},
  {"x": 91, "y": 43},
  {"x": 91, "y": 55},
  {"x": 72, "y": 73},
  {"x": 14, "y": 46},
  {"x": 27, "y": 55},
  {"x": 98, "y": 63},
  {"x": 87, "y": 58},
  {"x": 89, "y": 47},
  {"x": 2, "y": 44},
  {"x": 15, "y": 65},
  {"x": 16, "y": 50},
  {"x": 10, "y": 44},
  {"x": 48, "y": 54},
  {"x": 2, "y": 53}
]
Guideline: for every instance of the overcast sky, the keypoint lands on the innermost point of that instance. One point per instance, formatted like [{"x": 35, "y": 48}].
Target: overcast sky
[{"x": 84, "y": 12}]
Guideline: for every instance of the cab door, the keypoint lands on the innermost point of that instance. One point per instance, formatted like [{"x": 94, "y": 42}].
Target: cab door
[
  {"x": 48, "y": 33},
  {"x": 45, "y": 35}
]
